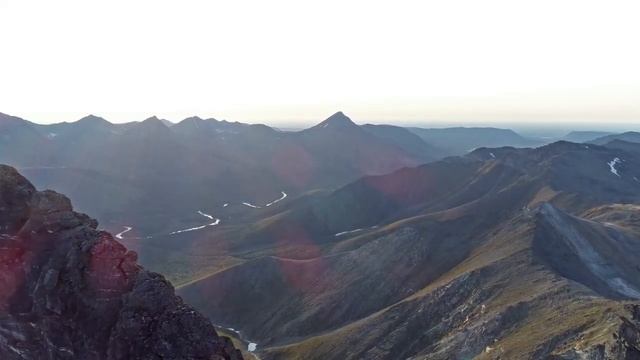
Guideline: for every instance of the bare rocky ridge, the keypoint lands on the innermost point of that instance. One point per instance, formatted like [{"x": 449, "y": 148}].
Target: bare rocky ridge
[
  {"x": 70, "y": 291},
  {"x": 502, "y": 254}
]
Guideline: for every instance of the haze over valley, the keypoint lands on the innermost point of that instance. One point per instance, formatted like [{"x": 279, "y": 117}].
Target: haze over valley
[
  {"x": 329, "y": 180},
  {"x": 347, "y": 241}
]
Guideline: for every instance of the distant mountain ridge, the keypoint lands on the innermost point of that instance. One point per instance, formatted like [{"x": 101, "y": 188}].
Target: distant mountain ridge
[
  {"x": 584, "y": 136},
  {"x": 163, "y": 171},
  {"x": 461, "y": 140},
  {"x": 630, "y": 136}
]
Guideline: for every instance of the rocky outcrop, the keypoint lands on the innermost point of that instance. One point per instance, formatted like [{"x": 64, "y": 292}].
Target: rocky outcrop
[{"x": 70, "y": 291}]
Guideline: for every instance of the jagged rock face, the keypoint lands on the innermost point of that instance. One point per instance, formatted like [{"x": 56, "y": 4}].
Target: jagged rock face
[
  {"x": 15, "y": 193},
  {"x": 70, "y": 291}
]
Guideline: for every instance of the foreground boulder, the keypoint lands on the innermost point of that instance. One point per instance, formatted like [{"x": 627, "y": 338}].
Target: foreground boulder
[{"x": 70, "y": 291}]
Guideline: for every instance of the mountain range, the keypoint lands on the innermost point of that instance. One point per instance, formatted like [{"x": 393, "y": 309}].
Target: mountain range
[
  {"x": 151, "y": 173},
  {"x": 346, "y": 241},
  {"x": 503, "y": 253},
  {"x": 630, "y": 136}
]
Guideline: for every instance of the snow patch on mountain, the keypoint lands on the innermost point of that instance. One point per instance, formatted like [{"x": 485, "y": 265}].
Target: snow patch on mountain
[{"x": 612, "y": 166}]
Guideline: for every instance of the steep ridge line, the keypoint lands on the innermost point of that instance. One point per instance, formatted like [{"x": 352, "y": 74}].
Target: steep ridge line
[{"x": 589, "y": 256}]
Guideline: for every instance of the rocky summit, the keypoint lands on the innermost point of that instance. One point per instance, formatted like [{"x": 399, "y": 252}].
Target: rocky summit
[{"x": 70, "y": 291}]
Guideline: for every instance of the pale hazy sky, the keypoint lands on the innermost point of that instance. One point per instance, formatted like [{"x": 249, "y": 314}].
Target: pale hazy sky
[{"x": 281, "y": 61}]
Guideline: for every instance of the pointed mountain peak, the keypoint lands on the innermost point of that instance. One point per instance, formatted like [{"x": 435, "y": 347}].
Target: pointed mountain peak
[
  {"x": 338, "y": 114},
  {"x": 197, "y": 120},
  {"x": 153, "y": 123},
  {"x": 339, "y": 118},
  {"x": 152, "y": 118},
  {"x": 196, "y": 123},
  {"x": 193, "y": 119},
  {"x": 337, "y": 121},
  {"x": 93, "y": 119},
  {"x": 155, "y": 120},
  {"x": 152, "y": 126}
]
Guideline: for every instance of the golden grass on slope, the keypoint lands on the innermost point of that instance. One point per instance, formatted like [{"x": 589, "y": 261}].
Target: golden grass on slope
[
  {"x": 626, "y": 216},
  {"x": 507, "y": 242},
  {"x": 502, "y": 246},
  {"x": 561, "y": 314},
  {"x": 564, "y": 325},
  {"x": 546, "y": 194}
]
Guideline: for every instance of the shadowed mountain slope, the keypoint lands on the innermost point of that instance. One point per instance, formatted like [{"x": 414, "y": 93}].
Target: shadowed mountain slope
[
  {"x": 504, "y": 253},
  {"x": 163, "y": 172},
  {"x": 630, "y": 136}
]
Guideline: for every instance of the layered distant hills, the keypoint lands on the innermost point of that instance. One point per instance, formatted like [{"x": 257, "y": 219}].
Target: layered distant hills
[
  {"x": 462, "y": 140},
  {"x": 584, "y": 136},
  {"x": 343, "y": 241},
  {"x": 630, "y": 136},
  {"x": 151, "y": 173},
  {"x": 148, "y": 173}
]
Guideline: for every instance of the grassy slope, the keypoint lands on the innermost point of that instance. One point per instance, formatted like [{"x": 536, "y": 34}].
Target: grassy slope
[{"x": 561, "y": 315}]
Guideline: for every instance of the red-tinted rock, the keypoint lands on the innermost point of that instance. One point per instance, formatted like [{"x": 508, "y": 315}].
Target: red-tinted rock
[{"x": 69, "y": 291}]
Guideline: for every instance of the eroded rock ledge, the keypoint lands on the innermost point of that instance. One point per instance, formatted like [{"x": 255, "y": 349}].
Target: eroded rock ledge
[{"x": 70, "y": 291}]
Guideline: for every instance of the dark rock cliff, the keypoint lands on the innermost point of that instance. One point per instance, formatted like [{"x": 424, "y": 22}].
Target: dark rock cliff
[{"x": 70, "y": 291}]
